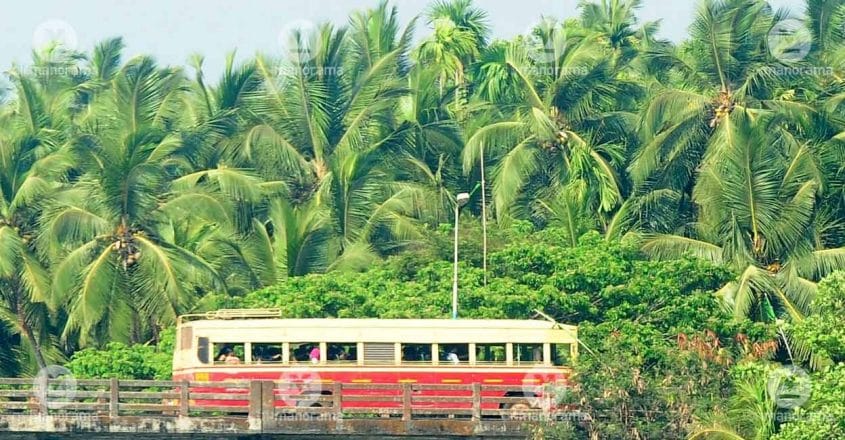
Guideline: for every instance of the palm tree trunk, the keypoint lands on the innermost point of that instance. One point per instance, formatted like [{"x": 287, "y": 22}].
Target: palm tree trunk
[{"x": 36, "y": 345}]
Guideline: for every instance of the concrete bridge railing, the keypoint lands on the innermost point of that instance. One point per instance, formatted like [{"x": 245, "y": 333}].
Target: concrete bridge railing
[{"x": 268, "y": 407}]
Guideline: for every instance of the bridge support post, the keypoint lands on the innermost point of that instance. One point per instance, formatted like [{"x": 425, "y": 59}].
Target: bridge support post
[
  {"x": 42, "y": 395},
  {"x": 262, "y": 410},
  {"x": 256, "y": 406},
  {"x": 337, "y": 401},
  {"x": 114, "y": 398},
  {"x": 406, "y": 401},
  {"x": 476, "y": 402},
  {"x": 268, "y": 404},
  {"x": 184, "y": 399}
]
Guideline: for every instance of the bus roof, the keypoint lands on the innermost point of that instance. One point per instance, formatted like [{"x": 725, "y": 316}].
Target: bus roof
[
  {"x": 383, "y": 330},
  {"x": 489, "y": 324}
]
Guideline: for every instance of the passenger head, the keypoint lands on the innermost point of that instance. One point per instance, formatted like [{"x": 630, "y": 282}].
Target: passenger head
[{"x": 225, "y": 351}]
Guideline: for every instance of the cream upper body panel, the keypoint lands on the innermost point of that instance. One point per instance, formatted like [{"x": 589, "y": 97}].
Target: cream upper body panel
[{"x": 383, "y": 330}]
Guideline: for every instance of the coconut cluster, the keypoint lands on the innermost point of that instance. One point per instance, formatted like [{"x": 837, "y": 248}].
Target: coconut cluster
[
  {"x": 561, "y": 137},
  {"x": 26, "y": 237},
  {"x": 126, "y": 246},
  {"x": 724, "y": 107}
]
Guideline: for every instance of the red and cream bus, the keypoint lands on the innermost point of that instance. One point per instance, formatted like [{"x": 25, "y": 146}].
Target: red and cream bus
[{"x": 234, "y": 345}]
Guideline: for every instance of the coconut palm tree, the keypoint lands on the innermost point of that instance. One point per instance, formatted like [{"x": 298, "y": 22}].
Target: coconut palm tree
[
  {"x": 460, "y": 34},
  {"x": 431, "y": 153},
  {"x": 32, "y": 162},
  {"x": 447, "y": 51},
  {"x": 331, "y": 115},
  {"x": 560, "y": 128},
  {"x": 615, "y": 20},
  {"x": 751, "y": 414},
  {"x": 724, "y": 67},
  {"x": 758, "y": 213},
  {"x": 465, "y": 16},
  {"x": 118, "y": 267}
]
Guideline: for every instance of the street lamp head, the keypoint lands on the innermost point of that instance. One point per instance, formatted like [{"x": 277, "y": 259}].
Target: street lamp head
[{"x": 462, "y": 199}]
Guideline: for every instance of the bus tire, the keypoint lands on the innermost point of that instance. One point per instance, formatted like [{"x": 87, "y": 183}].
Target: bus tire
[{"x": 517, "y": 410}]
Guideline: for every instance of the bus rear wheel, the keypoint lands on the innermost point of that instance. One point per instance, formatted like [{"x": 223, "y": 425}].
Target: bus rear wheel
[{"x": 518, "y": 411}]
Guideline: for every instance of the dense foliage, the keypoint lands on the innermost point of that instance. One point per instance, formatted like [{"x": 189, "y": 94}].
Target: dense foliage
[
  {"x": 679, "y": 201},
  {"x": 121, "y": 361}
]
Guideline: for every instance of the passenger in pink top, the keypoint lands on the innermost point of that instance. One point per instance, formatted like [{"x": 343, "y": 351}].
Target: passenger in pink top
[{"x": 315, "y": 355}]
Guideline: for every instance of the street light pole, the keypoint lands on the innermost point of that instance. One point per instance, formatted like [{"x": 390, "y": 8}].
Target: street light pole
[
  {"x": 483, "y": 214},
  {"x": 460, "y": 201}
]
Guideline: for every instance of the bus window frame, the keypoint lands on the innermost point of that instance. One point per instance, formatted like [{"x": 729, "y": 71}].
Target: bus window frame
[
  {"x": 320, "y": 345},
  {"x": 544, "y": 351},
  {"x": 337, "y": 362},
  {"x": 502, "y": 363},
  {"x": 271, "y": 362},
  {"x": 409, "y": 363},
  {"x": 556, "y": 348},
  {"x": 509, "y": 354},
  {"x": 461, "y": 362},
  {"x": 217, "y": 345}
]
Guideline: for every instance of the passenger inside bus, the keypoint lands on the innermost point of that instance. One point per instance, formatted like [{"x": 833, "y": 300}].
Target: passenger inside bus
[
  {"x": 530, "y": 353},
  {"x": 266, "y": 353},
  {"x": 416, "y": 352},
  {"x": 227, "y": 355},
  {"x": 314, "y": 354},
  {"x": 301, "y": 352},
  {"x": 341, "y": 352},
  {"x": 454, "y": 353}
]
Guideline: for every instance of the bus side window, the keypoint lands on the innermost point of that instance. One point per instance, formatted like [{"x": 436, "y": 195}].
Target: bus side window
[
  {"x": 342, "y": 352},
  {"x": 202, "y": 350},
  {"x": 490, "y": 354},
  {"x": 229, "y": 353},
  {"x": 561, "y": 354},
  {"x": 528, "y": 353},
  {"x": 454, "y": 353},
  {"x": 267, "y": 353},
  {"x": 302, "y": 351},
  {"x": 416, "y": 353}
]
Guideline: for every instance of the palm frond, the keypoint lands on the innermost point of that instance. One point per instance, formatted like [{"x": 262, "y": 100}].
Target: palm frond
[{"x": 673, "y": 246}]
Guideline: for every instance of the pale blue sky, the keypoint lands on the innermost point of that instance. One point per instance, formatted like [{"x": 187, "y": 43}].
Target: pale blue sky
[{"x": 171, "y": 30}]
